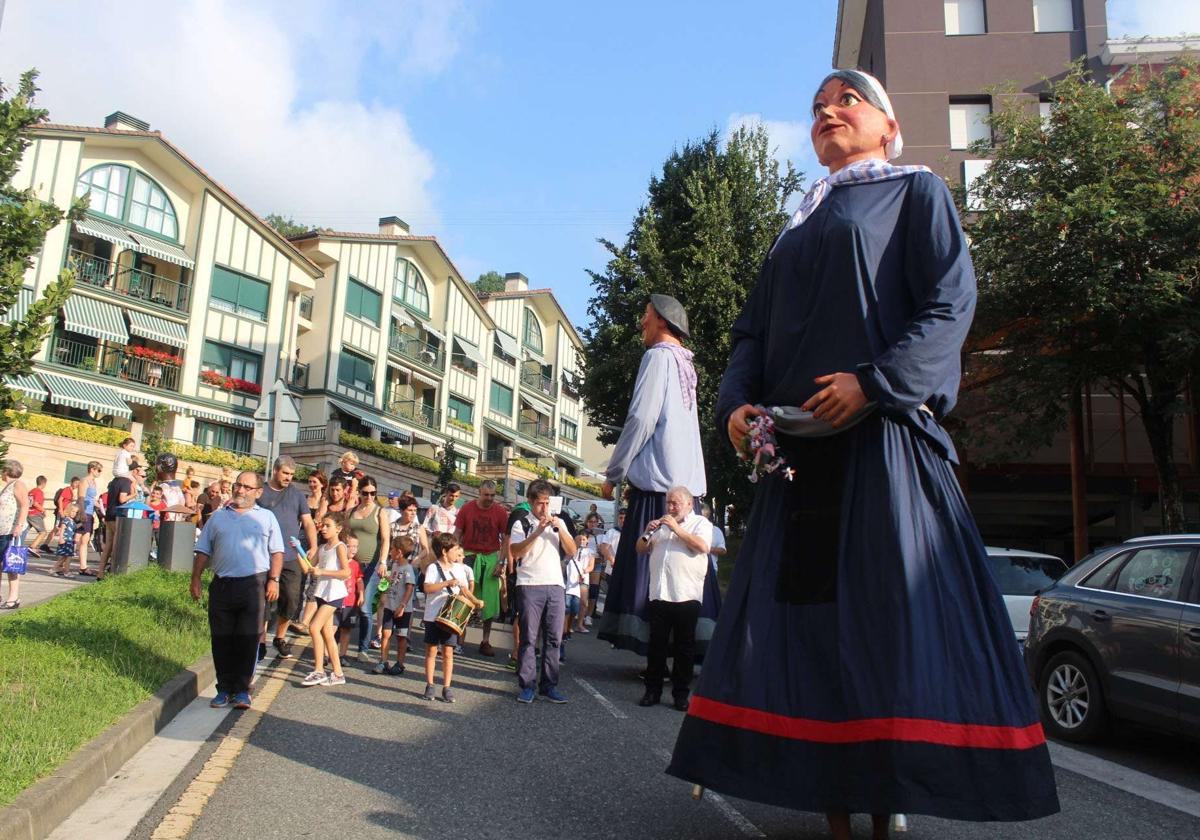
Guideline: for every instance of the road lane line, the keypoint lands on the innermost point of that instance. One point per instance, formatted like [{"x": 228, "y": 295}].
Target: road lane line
[
  {"x": 601, "y": 699},
  {"x": 1122, "y": 778},
  {"x": 732, "y": 814}
]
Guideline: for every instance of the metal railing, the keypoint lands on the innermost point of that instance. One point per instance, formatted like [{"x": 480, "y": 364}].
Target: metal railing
[
  {"x": 128, "y": 282},
  {"x": 113, "y": 360},
  {"x": 410, "y": 347},
  {"x": 306, "y": 307},
  {"x": 533, "y": 429},
  {"x": 494, "y": 455},
  {"x": 533, "y": 379},
  {"x": 416, "y": 412},
  {"x": 311, "y": 434}
]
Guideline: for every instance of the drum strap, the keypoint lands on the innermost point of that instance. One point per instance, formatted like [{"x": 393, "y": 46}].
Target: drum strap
[{"x": 442, "y": 575}]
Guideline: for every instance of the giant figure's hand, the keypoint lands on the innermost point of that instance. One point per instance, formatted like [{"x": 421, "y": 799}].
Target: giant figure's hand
[
  {"x": 840, "y": 399},
  {"x": 739, "y": 424}
]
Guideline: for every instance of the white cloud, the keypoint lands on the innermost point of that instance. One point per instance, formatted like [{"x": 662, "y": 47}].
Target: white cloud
[
  {"x": 1152, "y": 17},
  {"x": 790, "y": 141},
  {"x": 263, "y": 97}
]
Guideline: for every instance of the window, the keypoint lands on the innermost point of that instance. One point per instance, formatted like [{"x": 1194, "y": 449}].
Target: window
[
  {"x": 1018, "y": 574},
  {"x": 533, "y": 331},
  {"x": 465, "y": 356},
  {"x": 217, "y": 436},
  {"x": 74, "y": 469},
  {"x": 972, "y": 169},
  {"x": 504, "y": 348},
  {"x": 363, "y": 302},
  {"x": 501, "y": 399},
  {"x": 965, "y": 17},
  {"x": 231, "y": 362},
  {"x": 356, "y": 371},
  {"x": 1154, "y": 573},
  {"x": 417, "y": 490},
  {"x": 568, "y": 429},
  {"x": 459, "y": 409},
  {"x": 145, "y": 205},
  {"x": 238, "y": 293},
  {"x": 968, "y": 123},
  {"x": 410, "y": 288},
  {"x": 1053, "y": 16},
  {"x": 1044, "y": 109}
]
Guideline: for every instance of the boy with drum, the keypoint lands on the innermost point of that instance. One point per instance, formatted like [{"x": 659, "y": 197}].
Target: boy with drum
[{"x": 448, "y": 583}]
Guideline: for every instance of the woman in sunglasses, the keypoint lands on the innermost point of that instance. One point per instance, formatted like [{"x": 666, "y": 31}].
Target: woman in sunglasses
[{"x": 371, "y": 525}]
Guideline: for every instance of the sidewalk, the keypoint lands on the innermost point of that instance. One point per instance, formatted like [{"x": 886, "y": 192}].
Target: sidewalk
[{"x": 39, "y": 584}]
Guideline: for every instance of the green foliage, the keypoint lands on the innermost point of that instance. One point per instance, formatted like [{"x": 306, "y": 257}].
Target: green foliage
[
  {"x": 286, "y": 225},
  {"x": 115, "y": 643},
  {"x": 706, "y": 227},
  {"x": 584, "y": 485},
  {"x": 460, "y": 424},
  {"x": 153, "y": 443},
  {"x": 62, "y": 427},
  {"x": 536, "y": 469},
  {"x": 1087, "y": 248},
  {"x": 446, "y": 468},
  {"x": 24, "y": 222},
  {"x": 489, "y": 281},
  {"x": 403, "y": 456},
  {"x": 215, "y": 457}
]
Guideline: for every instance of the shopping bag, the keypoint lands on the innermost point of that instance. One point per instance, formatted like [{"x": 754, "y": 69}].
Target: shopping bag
[{"x": 16, "y": 559}]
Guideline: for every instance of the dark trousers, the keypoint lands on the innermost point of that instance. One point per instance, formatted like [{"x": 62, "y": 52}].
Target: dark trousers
[
  {"x": 672, "y": 623},
  {"x": 236, "y": 610},
  {"x": 542, "y": 611}
]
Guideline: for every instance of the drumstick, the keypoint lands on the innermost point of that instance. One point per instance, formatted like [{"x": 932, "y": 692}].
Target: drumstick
[{"x": 697, "y": 792}]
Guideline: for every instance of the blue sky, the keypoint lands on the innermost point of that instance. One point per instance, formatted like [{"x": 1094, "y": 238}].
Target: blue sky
[{"x": 517, "y": 132}]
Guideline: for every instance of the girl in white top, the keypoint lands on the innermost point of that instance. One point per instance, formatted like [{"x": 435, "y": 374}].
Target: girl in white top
[{"x": 330, "y": 573}]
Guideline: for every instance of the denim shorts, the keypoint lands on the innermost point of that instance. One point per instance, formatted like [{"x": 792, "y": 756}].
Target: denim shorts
[{"x": 572, "y": 604}]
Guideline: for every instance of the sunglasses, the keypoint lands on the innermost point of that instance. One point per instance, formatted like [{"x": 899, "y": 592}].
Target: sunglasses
[{"x": 367, "y": 492}]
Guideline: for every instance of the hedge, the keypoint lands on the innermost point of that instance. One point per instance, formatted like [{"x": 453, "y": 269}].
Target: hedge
[
  {"x": 550, "y": 475},
  {"x": 585, "y": 485},
  {"x": 62, "y": 427},
  {"x": 402, "y": 456},
  {"x": 216, "y": 457}
]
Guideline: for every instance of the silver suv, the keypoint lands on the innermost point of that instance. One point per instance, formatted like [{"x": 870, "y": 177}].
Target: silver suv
[{"x": 1118, "y": 636}]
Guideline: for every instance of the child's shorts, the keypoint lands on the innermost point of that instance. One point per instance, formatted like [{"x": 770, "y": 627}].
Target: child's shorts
[
  {"x": 437, "y": 635},
  {"x": 398, "y": 624},
  {"x": 346, "y": 617},
  {"x": 572, "y": 605},
  {"x": 594, "y": 591}
]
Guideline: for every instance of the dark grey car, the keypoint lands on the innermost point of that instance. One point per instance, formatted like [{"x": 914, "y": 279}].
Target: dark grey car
[{"x": 1118, "y": 636}]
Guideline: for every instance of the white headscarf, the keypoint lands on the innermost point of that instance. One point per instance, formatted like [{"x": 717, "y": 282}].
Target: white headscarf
[{"x": 869, "y": 87}]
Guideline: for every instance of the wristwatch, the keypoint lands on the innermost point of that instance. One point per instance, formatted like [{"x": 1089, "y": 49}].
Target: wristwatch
[{"x": 274, "y": 579}]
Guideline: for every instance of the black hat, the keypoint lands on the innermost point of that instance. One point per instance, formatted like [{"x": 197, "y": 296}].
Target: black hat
[
  {"x": 671, "y": 311},
  {"x": 166, "y": 462}
]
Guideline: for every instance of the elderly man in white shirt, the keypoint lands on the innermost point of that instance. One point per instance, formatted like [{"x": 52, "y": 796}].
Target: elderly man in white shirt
[{"x": 678, "y": 545}]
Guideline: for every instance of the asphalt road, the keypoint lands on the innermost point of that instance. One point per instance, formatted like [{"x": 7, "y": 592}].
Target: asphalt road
[{"x": 371, "y": 759}]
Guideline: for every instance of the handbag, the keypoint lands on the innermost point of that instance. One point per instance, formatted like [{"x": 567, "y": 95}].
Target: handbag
[{"x": 16, "y": 558}]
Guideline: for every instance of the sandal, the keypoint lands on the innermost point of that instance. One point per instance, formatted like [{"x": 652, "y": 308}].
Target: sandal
[
  {"x": 11, "y": 605},
  {"x": 87, "y": 573}
]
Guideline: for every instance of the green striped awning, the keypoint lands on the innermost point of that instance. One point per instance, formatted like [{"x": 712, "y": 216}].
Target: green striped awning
[
  {"x": 90, "y": 396},
  {"x": 20, "y": 307},
  {"x": 151, "y": 399},
  {"x": 216, "y": 417},
  {"x": 27, "y": 384},
  {"x": 95, "y": 318},
  {"x": 108, "y": 231},
  {"x": 152, "y": 247},
  {"x": 371, "y": 419},
  {"x": 157, "y": 329}
]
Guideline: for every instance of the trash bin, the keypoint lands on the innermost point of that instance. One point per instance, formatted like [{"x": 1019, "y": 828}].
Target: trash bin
[
  {"x": 134, "y": 536},
  {"x": 176, "y": 542}
]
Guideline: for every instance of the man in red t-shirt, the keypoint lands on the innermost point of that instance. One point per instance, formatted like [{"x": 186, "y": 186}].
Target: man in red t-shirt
[
  {"x": 481, "y": 529},
  {"x": 36, "y": 519}
]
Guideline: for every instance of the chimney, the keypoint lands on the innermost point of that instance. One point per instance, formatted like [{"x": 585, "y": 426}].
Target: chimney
[
  {"x": 515, "y": 281},
  {"x": 125, "y": 122},
  {"x": 393, "y": 226}
]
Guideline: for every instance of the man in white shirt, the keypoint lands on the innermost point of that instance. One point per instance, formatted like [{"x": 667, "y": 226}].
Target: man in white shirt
[
  {"x": 717, "y": 549},
  {"x": 678, "y": 546},
  {"x": 539, "y": 542},
  {"x": 606, "y": 551}
]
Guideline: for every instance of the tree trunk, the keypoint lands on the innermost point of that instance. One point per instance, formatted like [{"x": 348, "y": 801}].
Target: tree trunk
[
  {"x": 1158, "y": 418},
  {"x": 1079, "y": 518}
]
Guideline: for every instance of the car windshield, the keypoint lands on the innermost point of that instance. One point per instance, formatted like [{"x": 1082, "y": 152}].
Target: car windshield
[{"x": 1020, "y": 575}]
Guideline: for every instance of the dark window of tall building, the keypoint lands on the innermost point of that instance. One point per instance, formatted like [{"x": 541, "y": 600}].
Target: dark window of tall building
[
  {"x": 1053, "y": 15},
  {"x": 965, "y": 17}
]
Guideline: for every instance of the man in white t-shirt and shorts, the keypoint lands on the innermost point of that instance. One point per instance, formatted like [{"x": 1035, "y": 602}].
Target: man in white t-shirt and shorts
[
  {"x": 539, "y": 542},
  {"x": 606, "y": 557}
]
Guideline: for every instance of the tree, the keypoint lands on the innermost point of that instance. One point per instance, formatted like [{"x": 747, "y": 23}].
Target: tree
[
  {"x": 489, "y": 281},
  {"x": 701, "y": 236},
  {"x": 1087, "y": 247},
  {"x": 286, "y": 225},
  {"x": 446, "y": 468},
  {"x": 24, "y": 222}
]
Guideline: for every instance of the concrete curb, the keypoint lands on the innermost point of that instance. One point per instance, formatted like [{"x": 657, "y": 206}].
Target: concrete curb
[{"x": 37, "y": 811}]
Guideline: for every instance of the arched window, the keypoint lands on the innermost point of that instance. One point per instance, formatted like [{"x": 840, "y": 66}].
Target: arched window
[
  {"x": 141, "y": 204},
  {"x": 533, "y": 331},
  {"x": 410, "y": 287}
]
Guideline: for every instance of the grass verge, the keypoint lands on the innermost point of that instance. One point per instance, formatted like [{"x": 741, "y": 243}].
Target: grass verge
[{"x": 72, "y": 666}]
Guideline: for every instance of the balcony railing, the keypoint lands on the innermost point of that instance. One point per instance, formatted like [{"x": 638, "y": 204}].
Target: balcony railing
[
  {"x": 414, "y": 348},
  {"x": 113, "y": 360},
  {"x": 540, "y": 431},
  {"x": 536, "y": 382},
  {"x": 494, "y": 454},
  {"x": 417, "y": 412},
  {"x": 306, "y": 307},
  {"x": 131, "y": 282},
  {"x": 310, "y": 434}
]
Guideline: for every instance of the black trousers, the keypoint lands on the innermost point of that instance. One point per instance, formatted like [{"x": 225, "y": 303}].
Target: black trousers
[
  {"x": 236, "y": 610},
  {"x": 672, "y": 623}
]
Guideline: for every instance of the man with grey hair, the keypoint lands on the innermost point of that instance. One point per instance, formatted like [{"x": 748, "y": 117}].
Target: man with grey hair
[
  {"x": 678, "y": 545},
  {"x": 290, "y": 505},
  {"x": 482, "y": 530}
]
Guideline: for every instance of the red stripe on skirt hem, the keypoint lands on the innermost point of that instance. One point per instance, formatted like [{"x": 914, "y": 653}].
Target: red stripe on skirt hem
[{"x": 871, "y": 729}]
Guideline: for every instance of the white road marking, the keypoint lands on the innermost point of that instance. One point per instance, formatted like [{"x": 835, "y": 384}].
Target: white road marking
[
  {"x": 732, "y": 814},
  {"x": 601, "y": 699},
  {"x": 1122, "y": 778}
]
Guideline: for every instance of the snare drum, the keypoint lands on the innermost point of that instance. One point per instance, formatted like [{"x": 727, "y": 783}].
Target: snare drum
[{"x": 455, "y": 614}]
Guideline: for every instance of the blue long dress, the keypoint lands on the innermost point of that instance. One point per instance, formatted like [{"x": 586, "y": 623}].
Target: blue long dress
[{"x": 863, "y": 660}]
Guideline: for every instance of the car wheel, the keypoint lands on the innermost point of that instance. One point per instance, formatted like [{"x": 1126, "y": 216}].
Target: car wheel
[{"x": 1070, "y": 697}]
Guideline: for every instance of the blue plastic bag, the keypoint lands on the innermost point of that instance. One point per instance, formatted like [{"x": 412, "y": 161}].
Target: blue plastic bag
[{"x": 16, "y": 559}]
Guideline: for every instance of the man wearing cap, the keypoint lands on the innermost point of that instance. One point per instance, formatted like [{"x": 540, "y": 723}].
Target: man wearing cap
[{"x": 659, "y": 448}]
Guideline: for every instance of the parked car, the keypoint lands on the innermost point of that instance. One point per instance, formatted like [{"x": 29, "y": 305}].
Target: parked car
[
  {"x": 1021, "y": 575},
  {"x": 1118, "y": 637}
]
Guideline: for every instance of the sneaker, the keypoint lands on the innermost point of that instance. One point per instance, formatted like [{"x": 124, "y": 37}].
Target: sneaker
[
  {"x": 447, "y": 695},
  {"x": 485, "y": 649},
  {"x": 396, "y": 669},
  {"x": 221, "y": 701},
  {"x": 380, "y": 668},
  {"x": 511, "y": 664},
  {"x": 262, "y": 651},
  {"x": 587, "y": 622},
  {"x": 241, "y": 700},
  {"x": 429, "y": 692},
  {"x": 336, "y": 679},
  {"x": 526, "y": 695},
  {"x": 283, "y": 647},
  {"x": 582, "y": 630},
  {"x": 554, "y": 695},
  {"x": 315, "y": 678},
  {"x": 375, "y": 644},
  {"x": 458, "y": 648}
]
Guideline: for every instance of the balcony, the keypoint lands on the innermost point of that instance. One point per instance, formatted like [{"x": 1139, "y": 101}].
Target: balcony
[
  {"x": 538, "y": 430},
  {"x": 114, "y": 361},
  {"x": 532, "y": 379},
  {"x": 414, "y": 349},
  {"x": 131, "y": 282},
  {"x": 306, "y": 307},
  {"x": 416, "y": 412}
]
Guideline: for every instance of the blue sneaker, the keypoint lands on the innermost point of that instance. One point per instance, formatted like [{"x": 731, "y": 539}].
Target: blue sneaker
[
  {"x": 554, "y": 695},
  {"x": 241, "y": 700},
  {"x": 221, "y": 701},
  {"x": 526, "y": 695}
]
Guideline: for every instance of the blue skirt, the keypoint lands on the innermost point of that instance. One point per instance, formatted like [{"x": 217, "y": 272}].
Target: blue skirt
[{"x": 864, "y": 660}]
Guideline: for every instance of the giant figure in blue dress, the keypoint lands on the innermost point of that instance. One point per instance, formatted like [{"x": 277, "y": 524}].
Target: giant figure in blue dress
[{"x": 864, "y": 660}]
